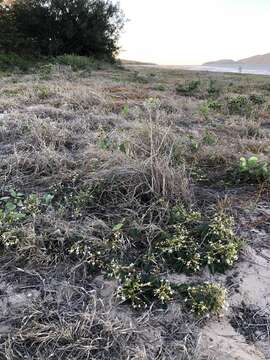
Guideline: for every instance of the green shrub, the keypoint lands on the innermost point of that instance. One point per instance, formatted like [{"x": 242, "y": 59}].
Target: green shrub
[
  {"x": 204, "y": 299},
  {"x": 181, "y": 251},
  {"x": 213, "y": 90},
  {"x": 136, "y": 291},
  {"x": 239, "y": 105},
  {"x": 189, "y": 88},
  {"x": 163, "y": 291},
  {"x": 77, "y": 62},
  {"x": 11, "y": 62},
  {"x": 257, "y": 99},
  {"x": 159, "y": 87},
  {"x": 214, "y": 105},
  {"x": 193, "y": 243},
  {"x": 179, "y": 214},
  {"x": 15, "y": 209},
  {"x": 222, "y": 245}
]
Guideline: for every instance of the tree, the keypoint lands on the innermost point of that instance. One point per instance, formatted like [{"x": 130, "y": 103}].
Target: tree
[{"x": 56, "y": 27}]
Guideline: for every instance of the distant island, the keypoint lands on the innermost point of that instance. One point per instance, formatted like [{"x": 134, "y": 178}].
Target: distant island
[{"x": 253, "y": 60}]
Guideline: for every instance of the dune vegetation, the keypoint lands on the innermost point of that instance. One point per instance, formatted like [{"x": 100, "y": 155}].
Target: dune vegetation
[{"x": 134, "y": 205}]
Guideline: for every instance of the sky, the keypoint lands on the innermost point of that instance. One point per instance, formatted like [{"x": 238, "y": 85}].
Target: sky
[{"x": 189, "y": 32}]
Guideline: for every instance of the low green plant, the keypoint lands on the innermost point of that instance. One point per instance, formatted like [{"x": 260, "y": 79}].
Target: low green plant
[
  {"x": 189, "y": 88},
  {"x": 135, "y": 291},
  {"x": 204, "y": 111},
  {"x": 213, "y": 89},
  {"x": 152, "y": 103},
  {"x": 257, "y": 99},
  {"x": 86, "y": 251},
  {"x": 195, "y": 243},
  {"x": 209, "y": 138},
  {"x": 254, "y": 169},
  {"x": 15, "y": 209},
  {"x": 222, "y": 245},
  {"x": 42, "y": 92},
  {"x": 10, "y": 239},
  {"x": 76, "y": 62},
  {"x": 181, "y": 251},
  {"x": 140, "y": 289},
  {"x": 214, "y": 105},
  {"x": 164, "y": 292},
  {"x": 204, "y": 299},
  {"x": 239, "y": 105},
  {"x": 193, "y": 143},
  {"x": 104, "y": 141},
  {"x": 179, "y": 214},
  {"x": 159, "y": 87},
  {"x": 125, "y": 110},
  {"x": 12, "y": 208},
  {"x": 46, "y": 71}
]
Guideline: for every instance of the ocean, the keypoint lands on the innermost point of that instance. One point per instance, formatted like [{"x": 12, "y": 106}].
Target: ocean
[{"x": 243, "y": 69}]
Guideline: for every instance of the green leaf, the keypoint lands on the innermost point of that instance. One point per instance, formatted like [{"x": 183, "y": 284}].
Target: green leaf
[
  {"x": 47, "y": 198},
  {"x": 118, "y": 227},
  {"x": 252, "y": 161},
  {"x": 13, "y": 193},
  {"x": 10, "y": 206},
  {"x": 243, "y": 164},
  {"x": 5, "y": 198}
]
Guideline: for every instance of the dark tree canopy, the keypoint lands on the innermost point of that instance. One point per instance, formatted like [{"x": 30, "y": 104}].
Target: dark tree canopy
[{"x": 56, "y": 27}]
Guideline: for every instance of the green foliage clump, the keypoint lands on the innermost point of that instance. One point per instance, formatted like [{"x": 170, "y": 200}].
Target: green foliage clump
[
  {"x": 213, "y": 90},
  {"x": 204, "y": 110},
  {"x": 179, "y": 214},
  {"x": 192, "y": 243},
  {"x": 77, "y": 62},
  {"x": 86, "y": 251},
  {"x": 214, "y": 105},
  {"x": 254, "y": 169},
  {"x": 222, "y": 245},
  {"x": 181, "y": 251},
  {"x": 140, "y": 289},
  {"x": 135, "y": 291},
  {"x": 13, "y": 62},
  {"x": 189, "y": 88},
  {"x": 42, "y": 92},
  {"x": 46, "y": 71},
  {"x": 164, "y": 291},
  {"x": 15, "y": 208},
  {"x": 187, "y": 244},
  {"x": 209, "y": 138},
  {"x": 239, "y": 105},
  {"x": 257, "y": 99},
  {"x": 204, "y": 299},
  {"x": 125, "y": 110}
]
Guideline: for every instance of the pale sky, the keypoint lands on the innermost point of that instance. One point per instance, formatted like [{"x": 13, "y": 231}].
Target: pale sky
[{"x": 188, "y": 32}]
